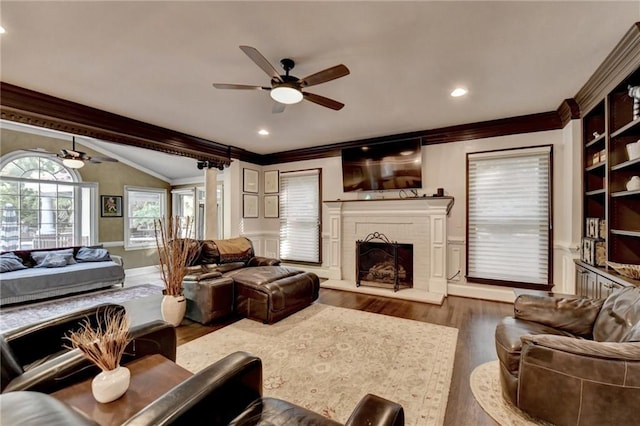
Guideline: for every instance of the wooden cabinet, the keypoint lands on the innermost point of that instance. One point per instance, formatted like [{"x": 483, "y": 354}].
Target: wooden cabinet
[
  {"x": 607, "y": 129},
  {"x": 598, "y": 283}
]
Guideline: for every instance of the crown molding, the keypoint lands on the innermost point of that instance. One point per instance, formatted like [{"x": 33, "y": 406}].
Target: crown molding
[
  {"x": 621, "y": 62},
  {"x": 481, "y": 130},
  {"x": 38, "y": 109},
  {"x": 568, "y": 110}
]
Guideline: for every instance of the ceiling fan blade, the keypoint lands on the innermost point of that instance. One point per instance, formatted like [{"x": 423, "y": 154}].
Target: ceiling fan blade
[
  {"x": 278, "y": 108},
  {"x": 239, "y": 86},
  {"x": 102, "y": 159},
  {"x": 262, "y": 62},
  {"x": 321, "y": 100},
  {"x": 324, "y": 76},
  {"x": 39, "y": 150}
]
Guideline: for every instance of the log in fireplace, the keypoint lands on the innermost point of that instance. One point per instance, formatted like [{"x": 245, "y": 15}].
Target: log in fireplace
[{"x": 384, "y": 263}]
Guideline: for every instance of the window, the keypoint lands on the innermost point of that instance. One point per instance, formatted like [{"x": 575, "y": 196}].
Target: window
[
  {"x": 143, "y": 207},
  {"x": 300, "y": 216},
  {"x": 44, "y": 204},
  {"x": 509, "y": 217}
]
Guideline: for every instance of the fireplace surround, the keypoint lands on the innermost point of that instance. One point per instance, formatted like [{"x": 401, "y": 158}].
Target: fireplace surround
[{"x": 420, "y": 221}]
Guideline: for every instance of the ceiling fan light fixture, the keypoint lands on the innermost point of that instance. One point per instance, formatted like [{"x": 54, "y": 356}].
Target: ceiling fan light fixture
[
  {"x": 73, "y": 163},
  {"x": 286, "y": 94}
]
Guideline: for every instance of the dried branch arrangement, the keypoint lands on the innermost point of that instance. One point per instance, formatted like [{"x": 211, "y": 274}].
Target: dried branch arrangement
[
  {"x": 105, "y": 344},
  {"x": 175, "y": 252}
]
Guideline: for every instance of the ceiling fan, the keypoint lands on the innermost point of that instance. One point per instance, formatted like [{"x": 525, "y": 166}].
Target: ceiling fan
[
  {"x": 75, "y": 159},
  {"x": 287, "y": 89}
]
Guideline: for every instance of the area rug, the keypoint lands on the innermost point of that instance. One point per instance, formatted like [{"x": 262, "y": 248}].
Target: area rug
[
  {"x": 326, "y": 359},
  {"x": 16, "y": 316},
  {"x": 485, "y": 386}
]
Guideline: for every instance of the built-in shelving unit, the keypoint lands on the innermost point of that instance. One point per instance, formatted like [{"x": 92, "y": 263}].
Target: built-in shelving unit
[{"x": 606, "y": 130}]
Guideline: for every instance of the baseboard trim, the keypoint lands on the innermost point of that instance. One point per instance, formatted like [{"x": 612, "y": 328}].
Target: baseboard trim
[{"x": 479, "y": 291}]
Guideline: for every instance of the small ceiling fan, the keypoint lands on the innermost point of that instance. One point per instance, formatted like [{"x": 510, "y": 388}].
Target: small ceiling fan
[
  {"x": 75, "y": 159},
  {"x": 287, "y": 89}
]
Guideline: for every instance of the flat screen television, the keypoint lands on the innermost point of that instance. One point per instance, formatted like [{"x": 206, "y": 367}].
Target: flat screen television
[{"x": 383, "y": 166}]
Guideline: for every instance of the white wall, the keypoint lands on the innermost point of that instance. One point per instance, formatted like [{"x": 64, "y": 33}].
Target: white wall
[{"x": 444, "y": 166}]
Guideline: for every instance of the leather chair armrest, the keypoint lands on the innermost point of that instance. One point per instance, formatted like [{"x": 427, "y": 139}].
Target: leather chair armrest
[
  {"x": 38, "y": 409},
  {"x": 574, "y": 315},
  {"x": 36, "y": 341},
  {"x": 156, "y": 337},
  {"x": 626, "y": 351},
  {"x": 263, "y": 261},
  {"x": 373, "y": 410},
  {"x": 218, "y": 394}
]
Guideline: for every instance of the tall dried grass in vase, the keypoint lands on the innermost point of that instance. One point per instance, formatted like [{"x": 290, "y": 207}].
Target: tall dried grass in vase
[
  {"x": 104, "y": 346},
  {"x": 175, "y": 253}
]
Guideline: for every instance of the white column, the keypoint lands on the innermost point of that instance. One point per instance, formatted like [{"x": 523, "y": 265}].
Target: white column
[
  {"x": 334, "y": 209},
  {"x": 210, "y": 204}
]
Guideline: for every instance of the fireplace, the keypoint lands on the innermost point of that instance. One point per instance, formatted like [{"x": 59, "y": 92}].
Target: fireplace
[{"x": 383, "y": 263}]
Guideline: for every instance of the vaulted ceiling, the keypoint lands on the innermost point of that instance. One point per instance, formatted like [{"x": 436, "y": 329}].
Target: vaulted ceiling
[{"x": 156, "y": 61}]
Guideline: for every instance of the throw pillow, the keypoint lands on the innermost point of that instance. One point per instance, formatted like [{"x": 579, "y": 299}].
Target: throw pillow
[
  {"x": 90, "y": 254},
  {"x": 53, "y": 260},
  {"x": 10, "y": 262},
  {"x": 67, "y": 254}
]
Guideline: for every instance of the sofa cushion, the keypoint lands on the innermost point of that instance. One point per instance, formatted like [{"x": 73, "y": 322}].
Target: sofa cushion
[
  {"x": 40, "y": 256},
  {"x": 619, "y": 315},
  {"x": 52, "y": 260},
  {"x": 92, "y": 254},
  {"x": 10, "y": 262},
  {"x": 271, "y": 411}
]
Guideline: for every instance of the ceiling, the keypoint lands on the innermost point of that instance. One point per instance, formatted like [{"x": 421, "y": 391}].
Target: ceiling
[{"x": 156, "y": 61}]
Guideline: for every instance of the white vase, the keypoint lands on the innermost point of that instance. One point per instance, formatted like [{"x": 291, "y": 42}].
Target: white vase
[
  {"x": 110, "y": 385},
  {"x": 633, "y": 150},
  {"x": 173, "y": 309}
]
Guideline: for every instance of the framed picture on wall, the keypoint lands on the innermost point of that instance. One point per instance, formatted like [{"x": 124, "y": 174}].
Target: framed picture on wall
[
  {"x": 250, "y": 181},
  {"x": 271, "y": 182},
  {"x": 271, "y": 206},
  {"x": 110, "y": 206},
  {"x": 249, "y": 206}
]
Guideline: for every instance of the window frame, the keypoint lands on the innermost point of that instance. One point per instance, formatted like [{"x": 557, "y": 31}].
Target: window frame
[
  {"x": 282, "y": 219},
  {"x": 127, "y": 230},
  {"x": 77, "y": 185},
  {"x": 508, "y": 283}
]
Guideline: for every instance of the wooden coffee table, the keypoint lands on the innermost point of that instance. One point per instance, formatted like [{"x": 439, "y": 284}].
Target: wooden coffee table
[{"x": 151, "y": 377}]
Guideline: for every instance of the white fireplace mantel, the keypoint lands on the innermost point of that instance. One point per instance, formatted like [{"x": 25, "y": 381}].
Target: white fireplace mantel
[{"x": 419, "y": 221}]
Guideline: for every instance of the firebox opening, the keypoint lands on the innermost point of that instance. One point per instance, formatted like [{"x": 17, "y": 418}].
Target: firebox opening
[{"x": 383, "y": 263}]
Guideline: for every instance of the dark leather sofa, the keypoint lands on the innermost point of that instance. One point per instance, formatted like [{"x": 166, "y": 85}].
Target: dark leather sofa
[
  {"x": 34, "y": 357},
  {"x": 263, "y": 289},
  {"x": 573, "y": 361},
  {"x": 228, "y": 392}
]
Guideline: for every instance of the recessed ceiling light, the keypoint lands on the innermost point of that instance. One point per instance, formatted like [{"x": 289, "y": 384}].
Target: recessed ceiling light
[
  {"x": 459, "y": 91},
  {"x": 263, "y": 132},
  {"x": 2, "y": 30}
]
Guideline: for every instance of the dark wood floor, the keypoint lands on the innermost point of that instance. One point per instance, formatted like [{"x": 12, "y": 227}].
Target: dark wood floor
[{"x": 474, "y": 319}]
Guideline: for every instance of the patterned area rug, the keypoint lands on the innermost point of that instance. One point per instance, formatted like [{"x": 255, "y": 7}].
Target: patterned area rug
[
  {"x": 326, "y": 359},
  {"x": 485, "y": 386},
  {"x": 19, "y": 315}
]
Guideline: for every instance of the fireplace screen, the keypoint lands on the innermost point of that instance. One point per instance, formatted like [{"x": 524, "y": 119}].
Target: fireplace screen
[{"x": 382, "y": 263}]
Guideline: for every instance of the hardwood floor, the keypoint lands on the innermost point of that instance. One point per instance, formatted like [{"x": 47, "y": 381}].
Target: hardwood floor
[{"x": 474, "y": 319}]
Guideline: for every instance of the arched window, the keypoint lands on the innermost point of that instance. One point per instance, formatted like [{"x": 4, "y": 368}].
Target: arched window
[{"x": 43, "y": 203}]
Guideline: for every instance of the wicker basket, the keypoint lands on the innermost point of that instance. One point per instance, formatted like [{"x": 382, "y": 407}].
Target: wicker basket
[{"x": 627, "y": 270}]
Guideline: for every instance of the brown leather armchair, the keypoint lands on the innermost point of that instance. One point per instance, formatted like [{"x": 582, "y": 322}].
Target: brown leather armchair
[
  {"x": 34, "y": 357},
  {"x": 573, "y": 361},
  {"x": 228, "y": 392}
]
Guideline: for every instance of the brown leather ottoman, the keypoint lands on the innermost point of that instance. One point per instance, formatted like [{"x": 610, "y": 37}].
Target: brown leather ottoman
[
  {"x": 270, "y": 293},
  {"x": 209, "y": 299}
]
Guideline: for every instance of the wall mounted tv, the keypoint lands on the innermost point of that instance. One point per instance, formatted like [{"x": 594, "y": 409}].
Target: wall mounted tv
[{"x": 383, "y": 166}]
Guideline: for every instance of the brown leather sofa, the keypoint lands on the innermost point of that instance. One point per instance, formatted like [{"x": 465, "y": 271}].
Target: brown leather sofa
[
  {"x": 573, "y": 361},
  {"x": 35, "y": 357},
  {"x": 228, "y": 392},
  {"x": 263, "y": 289}
]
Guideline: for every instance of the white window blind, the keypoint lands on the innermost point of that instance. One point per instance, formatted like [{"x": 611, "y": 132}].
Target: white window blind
[
  {"x": 508, "y": 215},
  {"x": 300, "y": 216}
]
